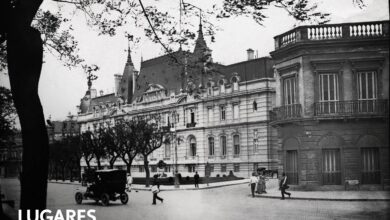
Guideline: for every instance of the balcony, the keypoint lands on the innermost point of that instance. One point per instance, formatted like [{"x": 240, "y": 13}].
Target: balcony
[
  {"x": 345, "y": 31},
  {"x": 286, "y": 112},
  {"x": 352, "y": 108}
]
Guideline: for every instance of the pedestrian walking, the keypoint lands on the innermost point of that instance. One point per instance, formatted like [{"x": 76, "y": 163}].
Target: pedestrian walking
[
  {"x": 156, "y": 190},
  {"x": 283, "y": 186},
  {"x": 252, "y": 183},
  {"x": 196, "y": 179}
]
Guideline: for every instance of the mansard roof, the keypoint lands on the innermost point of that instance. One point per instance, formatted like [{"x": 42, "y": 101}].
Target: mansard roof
[{"x": 251, "y": 69}]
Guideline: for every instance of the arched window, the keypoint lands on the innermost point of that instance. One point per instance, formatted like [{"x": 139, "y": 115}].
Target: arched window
[
  {"x": 236, "y": 143},
  {"x": 235, "y": 83},
  {"x": 223, "y": 145},
  {"x": 222, "y": 86},
  {"x": 211, "y": 146},
  {"x": 192, "y": 147}
]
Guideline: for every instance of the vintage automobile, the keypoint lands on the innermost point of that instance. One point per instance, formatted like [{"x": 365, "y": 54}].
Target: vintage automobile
[{"x": 105, "y": 185}]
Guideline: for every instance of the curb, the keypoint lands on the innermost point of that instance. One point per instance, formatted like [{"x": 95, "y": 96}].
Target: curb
[
  {"x": 325, "y": 199},
  {"x": 178, "y": 189},
  {"x": 67, "y": 183},
  {"x": 256, "y": 196}
]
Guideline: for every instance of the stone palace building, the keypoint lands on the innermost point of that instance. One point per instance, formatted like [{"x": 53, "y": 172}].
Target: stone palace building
[{"x": 317, "y": 110}]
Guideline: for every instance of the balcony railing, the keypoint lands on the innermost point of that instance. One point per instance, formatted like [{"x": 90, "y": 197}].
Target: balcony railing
[
  {"x": 348, "y": 31},
  {"x": 286, "y": 112},
  {"x": 352, "y": 108}
]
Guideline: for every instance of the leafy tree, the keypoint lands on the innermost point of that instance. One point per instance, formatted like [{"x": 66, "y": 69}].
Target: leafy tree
[
  {"x": 126, "y": 135},
  {"x": 94, "y": 145},
  {"x": 7, "y": 115},
  {"x": 86, "y": 148},
  {"x": 111, "y": 141},
  {"x": 150, "y": 137}
]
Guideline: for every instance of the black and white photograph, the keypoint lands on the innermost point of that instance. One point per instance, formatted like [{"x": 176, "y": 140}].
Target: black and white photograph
[{"x": 194, "y": 109}]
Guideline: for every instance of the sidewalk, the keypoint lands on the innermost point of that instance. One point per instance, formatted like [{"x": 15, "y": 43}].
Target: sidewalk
[{"x": 274, "y": 193}]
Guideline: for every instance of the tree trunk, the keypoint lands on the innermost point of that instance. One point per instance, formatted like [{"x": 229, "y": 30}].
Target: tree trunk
[
  {"x": 147, "y": 172},
  {"x": 24, "y": 56},
  {"x": 99, "y": 165},
  {"x": 88, "y": 164}
]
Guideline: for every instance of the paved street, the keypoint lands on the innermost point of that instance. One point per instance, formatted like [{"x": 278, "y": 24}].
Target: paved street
[{"x": 231, "y": 202}]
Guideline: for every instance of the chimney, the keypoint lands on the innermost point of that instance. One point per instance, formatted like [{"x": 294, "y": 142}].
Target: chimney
[
  {"x": 251, "y": 54},
  {"x": 118, "y": 79},
  {"x": 101, "y": 92}
]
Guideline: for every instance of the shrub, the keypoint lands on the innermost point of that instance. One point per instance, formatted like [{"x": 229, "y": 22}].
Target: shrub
[
  {"x": 170, "y": 179},
  {"x": 217, "y": 175},
  {"x": 187, "y": 178},
  {"x": 223, "y": 175},
  {"x": 231, "y": 173}
]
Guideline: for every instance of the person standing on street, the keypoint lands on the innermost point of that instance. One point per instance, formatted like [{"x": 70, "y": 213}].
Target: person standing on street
[
  {"x": 196, "y": 178},
  {"x": 283, "y": 186},
  {"x": 156, "y": 190},
  {"x": 252, "y": 182}
]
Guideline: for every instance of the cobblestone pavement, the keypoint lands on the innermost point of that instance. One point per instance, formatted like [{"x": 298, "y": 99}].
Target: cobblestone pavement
[{"x": 231, "y": 202}]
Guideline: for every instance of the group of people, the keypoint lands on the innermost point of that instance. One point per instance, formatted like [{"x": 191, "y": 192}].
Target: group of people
[{"x": 257, "y": 184}]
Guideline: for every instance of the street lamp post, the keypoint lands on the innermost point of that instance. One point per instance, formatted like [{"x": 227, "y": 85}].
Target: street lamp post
[{"x": 174, "y": 137}]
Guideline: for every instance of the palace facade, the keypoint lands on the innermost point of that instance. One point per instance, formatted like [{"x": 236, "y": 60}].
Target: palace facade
[
  {"x": 218, "y": 115},
  {"x": 317, "y": 110},
  {"x": 332, "y": 98}
]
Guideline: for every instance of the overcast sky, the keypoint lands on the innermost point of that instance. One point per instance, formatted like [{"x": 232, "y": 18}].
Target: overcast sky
[{"x": 61, "y": 88}]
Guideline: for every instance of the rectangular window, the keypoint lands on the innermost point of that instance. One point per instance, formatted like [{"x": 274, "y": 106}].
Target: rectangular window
[
  {"x": 236, "y": 142},
  {"x": 289, "y": 91},
  {"x": 370, "y": 166},
  {"x": 210, "y": 114},
  {"x": 292, "y": 167},
  {"x": 328, "y": 92},
  {"x": 331, "y": 172},
  {"x": 223, "y": 145},
  {"x": 192, "y": 117},
  {"x": 211, "y": 168},
  {"x": 153, "y": 169},
  {"x": 167, "y": 152},
  {"x": 236, "y": 168},
  {"x": 223, "y": 167},
  {"x": 141, "y": 168},
  {"x": 289, "y": 96},
  {"x": 191, "y": 168},
  {"x": 222, "y": 113},
  {"x": 236, "y": 111},
  {"x": 211, "y": 146},
  {"x": 167, "y": 169},
  {"x": 367, "y": 91}
]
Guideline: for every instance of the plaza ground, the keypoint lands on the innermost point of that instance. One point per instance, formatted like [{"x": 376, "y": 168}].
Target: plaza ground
[{"x": 229, "y": 202}]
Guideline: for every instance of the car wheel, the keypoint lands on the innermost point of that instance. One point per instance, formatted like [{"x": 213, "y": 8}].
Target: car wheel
[
  {"x": 124, "y": 198},
  {"x": 79, "y": 197},
  {"x": 105, "y": 199}
]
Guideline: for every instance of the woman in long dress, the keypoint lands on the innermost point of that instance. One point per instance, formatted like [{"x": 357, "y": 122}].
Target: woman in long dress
[{"x": 261, "y": 184}]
